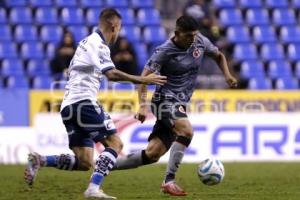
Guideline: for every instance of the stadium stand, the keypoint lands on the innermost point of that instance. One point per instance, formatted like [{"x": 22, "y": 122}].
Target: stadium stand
[
  {"x": 266, "y": 39},
  {"x": 265, "y": 35},
  {"x": 30, "y": 31}
]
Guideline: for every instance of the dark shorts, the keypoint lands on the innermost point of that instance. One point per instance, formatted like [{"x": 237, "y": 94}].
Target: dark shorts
[
  {"x": 166, "y": 112},
  {"x": 86, "y": 123}
]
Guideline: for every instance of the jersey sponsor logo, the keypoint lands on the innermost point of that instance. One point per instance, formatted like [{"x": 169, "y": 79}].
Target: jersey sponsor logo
[{"x": 196, "y": 53}]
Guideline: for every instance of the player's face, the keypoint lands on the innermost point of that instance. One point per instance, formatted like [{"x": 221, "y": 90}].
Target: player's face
[
  {"x": 115, "y": 33},
  {"x": 186, "y": 38}
]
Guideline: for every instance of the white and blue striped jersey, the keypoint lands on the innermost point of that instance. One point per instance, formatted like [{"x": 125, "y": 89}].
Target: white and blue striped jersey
[{"x": 90, "y": 61}]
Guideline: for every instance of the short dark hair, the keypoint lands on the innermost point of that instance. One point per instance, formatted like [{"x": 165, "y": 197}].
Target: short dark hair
[
  {"x": 109, "y": 13},
  {"x": 186, "y": 23}
]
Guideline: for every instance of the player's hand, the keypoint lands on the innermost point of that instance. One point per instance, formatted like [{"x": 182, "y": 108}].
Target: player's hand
[
  {"x": 231, "y": 81},
  {"x": 154, "y": 79},
  {"x": 141, "y": 114}
]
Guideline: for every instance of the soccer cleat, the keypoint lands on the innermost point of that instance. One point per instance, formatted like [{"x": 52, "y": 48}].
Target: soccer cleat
[
  {"x": 172, "y": 188},
  {"x": 90, "y": 193},
  {"x": 33, "y": 166}
]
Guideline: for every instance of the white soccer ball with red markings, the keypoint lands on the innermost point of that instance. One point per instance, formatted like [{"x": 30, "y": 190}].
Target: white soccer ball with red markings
[{"x": 211, "y": 171}]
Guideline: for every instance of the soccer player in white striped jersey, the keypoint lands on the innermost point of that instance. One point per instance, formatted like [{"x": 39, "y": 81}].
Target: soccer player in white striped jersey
[{"x": 85, "y": 120}]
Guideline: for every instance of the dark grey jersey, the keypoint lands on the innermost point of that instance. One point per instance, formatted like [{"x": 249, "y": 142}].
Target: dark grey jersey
[{"x": 180, "y": 66}]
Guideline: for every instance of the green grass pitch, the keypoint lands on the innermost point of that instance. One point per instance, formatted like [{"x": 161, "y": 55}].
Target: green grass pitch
[{"x": 248, "y": 181}]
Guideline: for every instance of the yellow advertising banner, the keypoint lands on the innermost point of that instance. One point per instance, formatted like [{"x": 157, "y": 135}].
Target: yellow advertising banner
[{"x": 202, "y": 101}]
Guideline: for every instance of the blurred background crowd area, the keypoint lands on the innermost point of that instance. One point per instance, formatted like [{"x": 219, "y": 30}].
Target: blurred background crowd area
[{"x": 260, "y": 38}]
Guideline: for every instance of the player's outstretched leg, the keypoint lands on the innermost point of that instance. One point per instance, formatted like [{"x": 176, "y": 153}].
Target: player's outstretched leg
[
  {"x": 32, "y": 168},
  {"x": 104, "y": 164},
  {"x": 36, "y": 161}
]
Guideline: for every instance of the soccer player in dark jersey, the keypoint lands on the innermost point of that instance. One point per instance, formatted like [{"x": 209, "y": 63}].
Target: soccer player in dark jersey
[{"x": 179, "y": 58}]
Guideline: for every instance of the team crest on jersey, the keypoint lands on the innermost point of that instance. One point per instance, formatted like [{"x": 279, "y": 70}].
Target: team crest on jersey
[{"x": 196, "y": 53}]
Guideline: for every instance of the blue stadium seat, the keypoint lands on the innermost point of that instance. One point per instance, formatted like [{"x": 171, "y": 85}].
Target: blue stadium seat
[
  {"x": 5, "y": 32},
  {"x": 283, "y": 17},
  {"x": 230, "y": 17},
  {"x": 287, "y": 83},
  {"x": 263, "y": 34},
  {"x": 46, "y": 15},
  {"x": 31, "y": 50},
  {"x": 224, "y": 3},
  {"x": 279, "y": 69},
  {"x": 154, "y": 34},
  {"x": 293, "y": 52},
  {"x": 238, "y": 34},
  {"x": 78, "y": 31},
  {"x": 123, "y": 86},
  {"x": 250, "y": 4},
  {"x": 50, "y": 50},
  {"x": 15, "y": 82},
  {"x": 117, "y": 3},
  {"x": 65, "y": 3},
  {"x": 39, "y": 3},
  {"x": 12, "y": 67},
  {"x": 271, "y": 51},
  {"x": 25, "y": 33},
  {"x": 15, "y": 3},
  {"x": 142, "y": 54},
  {"x": 37, "y": 67},
  {"x": 142, "y": 4},
  {"x": 244, "y": 52},
  {"x": 260, "y": 83},
  {"x": 146, "y": 17},
  {"x": 20, "y": 15},
  {"x": 3, "y": 16},
  {"x": 252, "y": 69},
  {"x": 295, "y": 4},
  {"x": 91, "y": 3},
  {"x": 8, "y": 50},
  {"x": 290, "y": 34},
  {"x": 51, "y": 33},
  {"x": 276, "y": 3},
  {"x": 1, "y": 83},
  {"x": 92, "y": 15},
  {"x": 42, "y": 82},
  {"x": 151, "y": 87},
  {"x": 257, "y": 17},
  {"x": 70, "y": 16},
  {"x": 297, "y": 70},
  {"x": 132, "y": 33},
  {"x": 127, "y": 16}
]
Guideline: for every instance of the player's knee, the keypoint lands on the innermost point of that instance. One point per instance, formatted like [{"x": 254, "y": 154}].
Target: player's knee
[
  {"x": 153, "y": 156},
  {"x": 185, "y": 132}
]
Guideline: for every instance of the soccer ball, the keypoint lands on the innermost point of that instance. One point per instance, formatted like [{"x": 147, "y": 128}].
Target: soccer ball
[{"x": 211, "y": 171}]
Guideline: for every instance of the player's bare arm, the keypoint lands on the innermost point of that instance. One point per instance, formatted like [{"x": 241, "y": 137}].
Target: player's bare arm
[
  {"x": 222, "y": 63},
  {"x": 142, "y": 97},
  {"x": 117, "y": 75}
]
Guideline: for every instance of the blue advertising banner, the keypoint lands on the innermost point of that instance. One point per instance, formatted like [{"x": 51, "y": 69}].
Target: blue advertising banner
[{"x": 14, "y": 107}]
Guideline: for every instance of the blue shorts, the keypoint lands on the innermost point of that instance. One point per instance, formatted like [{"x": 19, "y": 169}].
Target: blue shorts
[{"x": 86, "y": 123}]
